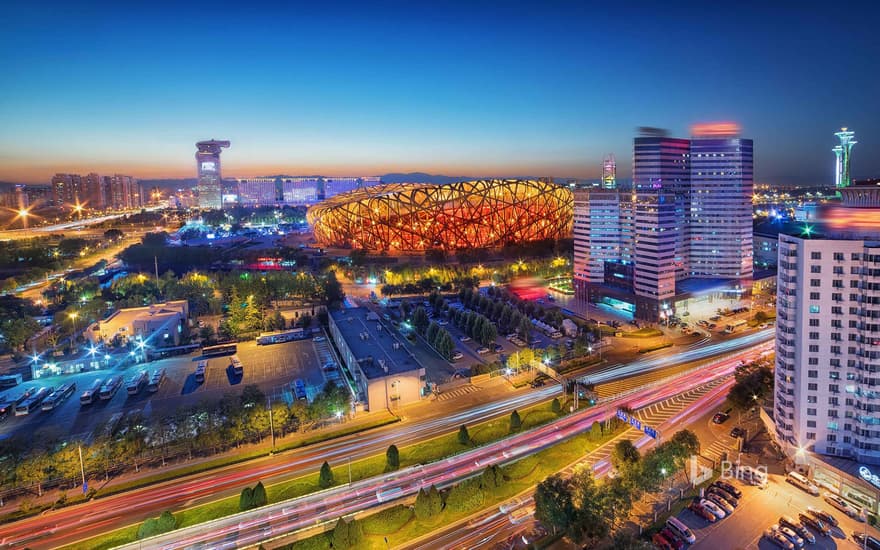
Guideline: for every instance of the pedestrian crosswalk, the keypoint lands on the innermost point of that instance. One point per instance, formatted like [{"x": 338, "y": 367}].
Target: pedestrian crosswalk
[
  {"x": 716, "y": 451},
  {"x": 459, "y": 391}
]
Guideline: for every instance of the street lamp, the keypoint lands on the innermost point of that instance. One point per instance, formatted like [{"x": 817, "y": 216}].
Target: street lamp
[{"x": 73, "y": 317}]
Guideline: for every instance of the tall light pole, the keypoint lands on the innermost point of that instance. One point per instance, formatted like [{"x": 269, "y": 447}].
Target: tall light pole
[
  {"x": 82, "y": 468},
  {"x": 271, "y": 421},
  {"x": 73, "y": 317}
]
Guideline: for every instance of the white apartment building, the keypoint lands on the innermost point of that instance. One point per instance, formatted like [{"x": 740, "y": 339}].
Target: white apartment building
[{"x": 827, "y": 380}]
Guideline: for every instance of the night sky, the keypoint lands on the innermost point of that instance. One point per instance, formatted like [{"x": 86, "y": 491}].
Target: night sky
[{"x": 476, "y": 89}]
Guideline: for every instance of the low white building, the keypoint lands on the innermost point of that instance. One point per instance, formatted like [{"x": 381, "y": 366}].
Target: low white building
[{"x": 160, "y": 325}]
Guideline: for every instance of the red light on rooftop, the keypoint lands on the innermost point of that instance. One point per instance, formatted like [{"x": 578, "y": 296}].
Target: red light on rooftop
[{"x": 715, "y": 129}]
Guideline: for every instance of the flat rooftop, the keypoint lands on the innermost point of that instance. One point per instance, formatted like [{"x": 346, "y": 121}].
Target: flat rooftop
[{"x": 367, "y": 338}]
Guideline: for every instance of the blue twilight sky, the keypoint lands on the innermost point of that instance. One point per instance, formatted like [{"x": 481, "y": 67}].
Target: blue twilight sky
[{"x": 473, "y": 88}]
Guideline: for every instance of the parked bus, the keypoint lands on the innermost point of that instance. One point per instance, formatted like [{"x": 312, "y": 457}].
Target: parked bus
[
  {"x": 201, "y": 368},
  {"x": 237, "y": 367},
  {"x": 734, "y": 326},
  {"x": 31, "y": 404},
  {"x": 219, "y": 349},
  {"x": 58, "y": 396},
  {"x": 10, "y": 380},
  {"x": 110, "y": 387},
  {"x": 88, "y": 397},
  {"x": 136, "y": 383},
  {"x": 267, "y": 338},
  {"x": 156, "y": 380},
  {"x": 9, "y": 406}
]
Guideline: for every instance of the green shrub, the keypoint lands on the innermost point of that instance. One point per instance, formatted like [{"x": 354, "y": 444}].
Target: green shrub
[
  {"x": 392, "y": 459},
  {"x": 387, "y": 521},
  {"x": 346, "y": 534},
  {"x": 325, "y": 477},
  {"x": 515, "y": 422},
  {"x": 156, "y": 526},
  {"x": 259, "y": 495},
  {"x": 556, "y": 406},
  {"x": 465, "y": 497},
  {"x": 246, "y": 500},
  {"x": 463, "y": 436},
  {"x": 429, "y": 504}
]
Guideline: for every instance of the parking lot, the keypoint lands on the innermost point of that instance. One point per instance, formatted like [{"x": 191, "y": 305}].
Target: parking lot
[
  {"x": 273, "y": 368},
  {"x": 759, "y": 509}
]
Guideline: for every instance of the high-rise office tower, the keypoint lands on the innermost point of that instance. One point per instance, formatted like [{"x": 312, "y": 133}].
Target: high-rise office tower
[
  {"x": 661, "y": 174},
  {"x": 721, "y": 188},
  {"x": 209, "y": 174},
  {"x": 688, "y": 215},
  {"x": 828, "y": 332},
  {"x": 842, "y": 153}
]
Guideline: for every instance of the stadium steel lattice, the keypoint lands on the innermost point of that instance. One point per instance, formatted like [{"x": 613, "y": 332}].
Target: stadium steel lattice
[{"x": 469, "y": 214}]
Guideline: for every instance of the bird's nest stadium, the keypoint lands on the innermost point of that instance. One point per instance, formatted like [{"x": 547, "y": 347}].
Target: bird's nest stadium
[{"x": 405, "y": 217}]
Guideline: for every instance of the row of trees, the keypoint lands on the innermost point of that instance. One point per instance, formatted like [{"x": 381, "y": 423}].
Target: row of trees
[
  {"x": 45, "y": 457},
  {"x": 589, "y": 512},
  {"x": 753, "y": 382},
  {"x": 440, "y": 340}
]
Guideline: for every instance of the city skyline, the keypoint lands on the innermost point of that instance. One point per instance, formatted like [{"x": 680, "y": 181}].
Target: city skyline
[{"x": 473, "y": 91}]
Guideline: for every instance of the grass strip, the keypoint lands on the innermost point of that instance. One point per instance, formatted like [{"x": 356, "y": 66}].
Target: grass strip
[
  {"x": 519, "y": 476},
  {"x": 427, "y": 451}
]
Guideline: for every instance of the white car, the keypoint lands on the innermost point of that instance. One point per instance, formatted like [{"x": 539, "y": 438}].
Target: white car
[
  {"x": 721, "y": 503},
  {"x": 714, "y": 508},
  {"x": 778, "y": 539},
  {"x": 789, "y": 533},
  {"x": 457, "y": 355},
  {"x": 841, "y": 505}
]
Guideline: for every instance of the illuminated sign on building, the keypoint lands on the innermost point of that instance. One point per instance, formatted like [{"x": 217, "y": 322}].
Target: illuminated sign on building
[{"x": 869, "y": 476}]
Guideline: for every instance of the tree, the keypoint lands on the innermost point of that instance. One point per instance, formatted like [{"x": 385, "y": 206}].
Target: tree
[
  {"x": 753, "y": 382},
  {"x": 392, "y": 459},
  {"x": 624, "y": 457},
  {"x": 515, "y": 422},
  {"x": 554, "y": 506},
  {"x": 420, "y": 319},
  {"x": 591, "y": 508},
  {"x": 246, "y": 499},
  {"x": 429, "y": 504},
  {"x": 464, "y": 437},
  {"x": 346, "y": 534},
  {"x": 259, "y": 497},
  {"x": 325, "y": 478},
  {"x": 492, "y": 478},
  {"x": 33, "y": 470},
  {"x": 687, "y": 444},
  {"x": 556, "y": 406}
]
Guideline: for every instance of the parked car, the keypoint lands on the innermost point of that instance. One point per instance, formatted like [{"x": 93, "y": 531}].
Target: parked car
[
  {"x": 660, "y": 541},
  {"x": 815, "y": 524},
  {"x": 716, "y": 510},
  {"x": 789, "y": 534},
  {"x": 720, "y": 417},
  {"x": 675, "y": 541},
  {"x": 497, "y": 347},
  {"x": 483, "y": 350},
  {"x": 318, "y": 338},
  {"x": 457, "y": 355},
  {"x": 737, "y": 432},
  {"x": 732, "y": 500},
  {"x": 866, "y": 541},
  {"x": 728, "y": 487},
  {"x": 465, "y": 338},
  {"x": 841, "y": 505},
  {"x": 701, "y": 511},
  {"x": 721, "y": 503},
  {"x": 778, "y": 539},
  {"x": 803, "y": 532},
  {"x": 822, "y": 515}
]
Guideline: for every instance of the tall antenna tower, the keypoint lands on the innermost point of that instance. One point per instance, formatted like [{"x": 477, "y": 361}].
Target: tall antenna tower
[{"x": 843, "y": 151}]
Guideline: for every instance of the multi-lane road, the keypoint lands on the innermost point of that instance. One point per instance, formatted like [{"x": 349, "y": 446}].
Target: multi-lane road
[
  {"x": 80, "y": 522},
  {"x": 279, "y": 519}
]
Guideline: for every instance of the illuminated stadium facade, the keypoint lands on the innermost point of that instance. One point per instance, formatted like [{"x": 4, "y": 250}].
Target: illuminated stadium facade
[{"x": 470, "y": 214}]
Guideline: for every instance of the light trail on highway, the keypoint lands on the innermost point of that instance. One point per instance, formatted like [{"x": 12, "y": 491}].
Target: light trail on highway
[
  {"x": 279, "y": 519},
  {"x": 80, "y": 522}
]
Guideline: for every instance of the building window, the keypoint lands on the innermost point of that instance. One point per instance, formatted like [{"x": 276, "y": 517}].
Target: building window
[
  {"x": 814, "y": 322},
  {"x": 811, "y": 435},
  {"x": 814, "y": 348},
  {"x": 812, "y": 399},
  {"x": 815, "y": 255},
  {"x": 815, "y": 269},
  {"x": 814, "y": 309},
  {"x": 811, "y": 412},
  {"x": 811, "y": 423},
  {"x": 813, "y": 387},
  {"x": 838, "y": 256},
  {"x": 812, "y": 374},
  {"x": 815, "y": 282}
]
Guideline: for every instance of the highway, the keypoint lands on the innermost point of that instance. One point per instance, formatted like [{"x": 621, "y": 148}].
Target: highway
[
  {"x": 80, "y": 522},
  {"x": 500, "y": 527},
  {"x": 248, "y": 528}
]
